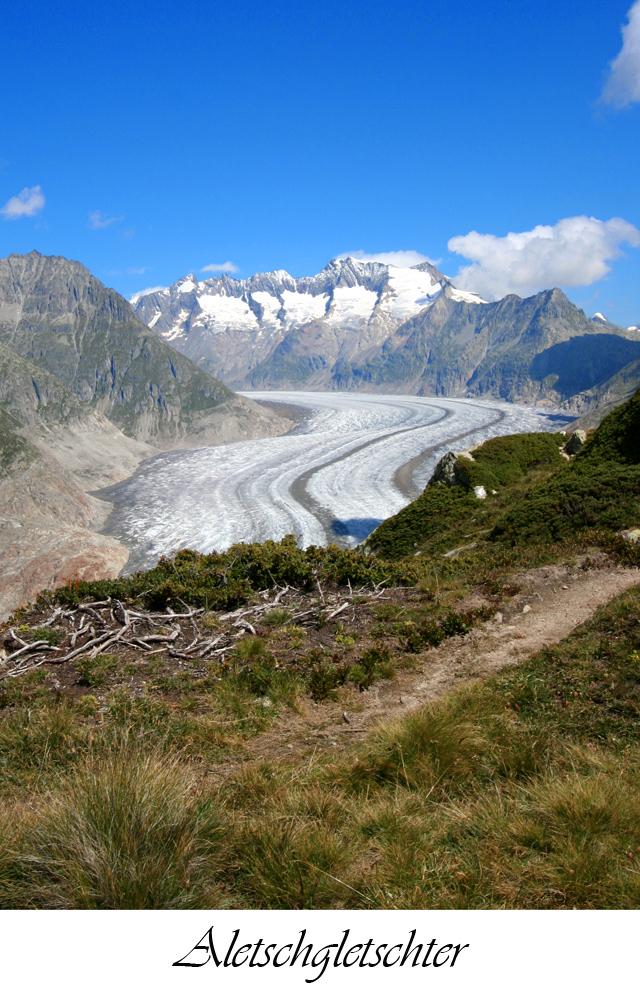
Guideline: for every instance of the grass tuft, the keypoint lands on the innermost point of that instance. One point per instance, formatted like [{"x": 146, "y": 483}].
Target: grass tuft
[{"x": 123, "y": 832}]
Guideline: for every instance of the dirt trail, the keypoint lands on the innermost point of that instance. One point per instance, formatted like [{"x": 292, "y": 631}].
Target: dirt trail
[{"x": 552, "y": 601}]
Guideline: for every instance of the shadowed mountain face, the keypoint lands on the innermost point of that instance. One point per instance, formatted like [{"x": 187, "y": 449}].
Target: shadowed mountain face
[
  {"x": 542, "y": 348},
  {"x": 578, "y": 364},
  {"x": 56, "y": 315},
  {"x": 373, "y": 326}
]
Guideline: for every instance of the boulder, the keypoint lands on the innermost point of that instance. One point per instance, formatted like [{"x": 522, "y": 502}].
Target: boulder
[
  {"x": 631, "y": 535},
  {"x": 575, "y": 442},
  {"x": 449, "y": 472}
]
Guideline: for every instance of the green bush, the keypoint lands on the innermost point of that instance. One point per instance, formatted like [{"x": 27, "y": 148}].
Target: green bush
[
  {"x": 437, "y": 512},
  {"x": 254, "y": 665},
  {"x": 229, "y": 579},
  {"x": 503, "y": 461},
  {"x": 587, "y": 496},
  {"x": 323, "y": 675},
  {"x": 50, "y": 635},
  {"x": 94, "y": 672},
  {"x": 374, "y": 662},
  {"x": 432, "y": 632}
]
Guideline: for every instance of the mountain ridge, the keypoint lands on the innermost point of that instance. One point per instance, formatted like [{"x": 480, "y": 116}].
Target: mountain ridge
[
  {"x": 407, "y": 330},
  {"x": 230, "y": 326},
  {"x": 57, "y": 315},
  {"x": 87, "y": 392}
]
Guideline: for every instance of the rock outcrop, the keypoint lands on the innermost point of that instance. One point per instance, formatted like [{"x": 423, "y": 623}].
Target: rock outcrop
[
  {"x": 575, "y": 442},
  {"x": 449, "y": 470}
]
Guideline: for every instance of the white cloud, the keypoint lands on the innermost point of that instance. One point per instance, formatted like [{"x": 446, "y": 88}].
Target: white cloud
[
  {"x": 400, "y": 258},
  {"x": 137, "y": 270},
  {"x": 100, "y": 220},
  {"x": 228, "y": 266},
  {"x": 28, "y": 202},
  {"x": 623, "y": 84},
  {"x": 573, "y": 252},
  {"x": 147, "y": 291}
]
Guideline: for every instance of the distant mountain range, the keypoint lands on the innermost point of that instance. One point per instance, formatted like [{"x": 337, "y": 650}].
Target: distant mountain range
[
  {"x": 235, "y": 328},
  {"x": 359, "y": 326},
  {"x": 599, "y": 318}
]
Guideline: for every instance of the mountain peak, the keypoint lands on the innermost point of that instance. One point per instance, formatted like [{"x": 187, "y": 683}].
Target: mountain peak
[
  {"x": 56, "y": 313},
  {"x": 187, "y": 284}
]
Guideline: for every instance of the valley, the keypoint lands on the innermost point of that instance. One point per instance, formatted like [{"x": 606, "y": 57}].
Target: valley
[{"x": 384, "y": 367}]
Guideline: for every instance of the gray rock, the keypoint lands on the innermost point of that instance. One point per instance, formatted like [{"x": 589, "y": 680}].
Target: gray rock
[
  {"x": 631, "y": 535},
  {"x": 449, "y": 472},
  {"x": 575, "y": 442}
]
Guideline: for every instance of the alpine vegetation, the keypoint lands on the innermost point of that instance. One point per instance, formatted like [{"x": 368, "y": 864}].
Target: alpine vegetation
[{"x": 445, "y": 717}]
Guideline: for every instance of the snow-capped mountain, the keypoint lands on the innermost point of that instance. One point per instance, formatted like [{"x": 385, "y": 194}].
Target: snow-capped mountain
[
  {"x": 230, "y": 326},
  {"x": 373, "y": 326}
]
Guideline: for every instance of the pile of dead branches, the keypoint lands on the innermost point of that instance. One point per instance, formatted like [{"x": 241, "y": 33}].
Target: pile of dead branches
[{"x": 92, "y": 628}]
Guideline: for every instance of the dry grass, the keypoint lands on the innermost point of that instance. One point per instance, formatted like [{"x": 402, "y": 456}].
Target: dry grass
[
  {"x": 124, "y": 831},
  {"x": 521, "y": 791}
]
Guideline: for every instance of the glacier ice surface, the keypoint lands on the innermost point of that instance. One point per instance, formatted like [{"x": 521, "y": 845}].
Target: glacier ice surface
[{"x": 332, "y": 479}]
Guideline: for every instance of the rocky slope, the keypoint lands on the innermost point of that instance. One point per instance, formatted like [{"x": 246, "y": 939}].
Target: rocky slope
[
  {"x": 541, "y": 349},
  {"x": 54, "y": 450},
  {"x": 56, "y": 315},
  {"x": 595, "y": 404},
  {"x": 86, "y": 393},
  {"x": 375, "y": 326}
]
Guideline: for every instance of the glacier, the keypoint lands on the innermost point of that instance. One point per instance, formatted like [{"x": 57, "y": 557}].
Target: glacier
[{"x": 354, "y": 460}]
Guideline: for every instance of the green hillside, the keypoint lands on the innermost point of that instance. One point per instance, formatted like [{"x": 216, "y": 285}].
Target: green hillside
[
  {"x": 534, "y": 495},
  {"x": 618, "y": 437}
]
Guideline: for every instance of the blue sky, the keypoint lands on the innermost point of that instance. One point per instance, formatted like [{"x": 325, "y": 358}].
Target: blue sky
[{"x": 149, "y": 140}]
